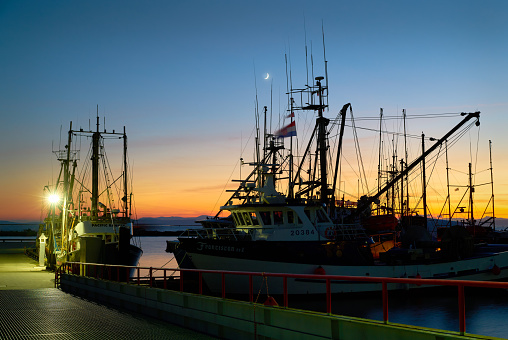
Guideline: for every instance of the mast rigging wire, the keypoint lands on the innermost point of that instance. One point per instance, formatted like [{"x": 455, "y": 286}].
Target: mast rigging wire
[{"x": 359, "y": 155}]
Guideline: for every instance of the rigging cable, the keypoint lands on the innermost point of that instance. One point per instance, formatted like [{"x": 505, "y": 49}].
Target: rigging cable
[
  {"x": 231, "y": 175},
  {"x": 359, "y": 155}
]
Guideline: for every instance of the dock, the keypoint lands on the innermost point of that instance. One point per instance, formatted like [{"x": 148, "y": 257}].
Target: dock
[
  {"x": 91, "y": 307},
  {"x": 18, "y": 271},
  {"x": 32, "y": 308},
  {"x": 233, "y": 319}
]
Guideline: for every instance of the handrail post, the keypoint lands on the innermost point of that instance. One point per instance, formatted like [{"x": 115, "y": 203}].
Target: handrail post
[
  {"x": 181, "y": 280},
  {"x": 385, "y": 302},
  {"x": 285, "y": 289},
  {"x": 462, "y": 310},
  {"x": 251, "y": 295},
  {"x": 200, "y": 283},
  {"x": 165, "y": 282},
  {"x": 328, "y": 297},
  {"x": 138, "y": 275},
  {"x": 223, "y": 276},
  {"x": 150, "y": 277}
]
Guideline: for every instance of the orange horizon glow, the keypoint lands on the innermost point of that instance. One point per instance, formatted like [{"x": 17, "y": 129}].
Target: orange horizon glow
[
  {"x": 189, "y": 101},
  {"x": 183, "y": 204},
  {"x": 191, "y": 190}
]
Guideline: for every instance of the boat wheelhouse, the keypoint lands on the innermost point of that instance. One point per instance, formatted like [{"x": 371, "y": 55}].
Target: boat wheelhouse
[{"x": 282, "y": 223}]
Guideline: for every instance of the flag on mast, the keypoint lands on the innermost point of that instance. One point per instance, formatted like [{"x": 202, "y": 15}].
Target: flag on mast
[{"x": 286, "y": 131}]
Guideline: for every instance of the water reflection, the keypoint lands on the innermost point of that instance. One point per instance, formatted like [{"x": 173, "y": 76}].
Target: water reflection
[
  {"x": 154, "y": 252},
  {"x": 486, "y": 310}
]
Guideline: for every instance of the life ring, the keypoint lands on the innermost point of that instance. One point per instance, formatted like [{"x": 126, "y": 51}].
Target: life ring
[
  {"x": 330, "y": 233},
  {"x": 270, "y": 301},
  {"x": 496, "y": 270},
  {"x": 319, "y": 271},
  {"x": 418, "y": 276}
]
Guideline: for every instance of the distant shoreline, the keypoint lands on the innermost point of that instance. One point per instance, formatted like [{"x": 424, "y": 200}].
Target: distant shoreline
[
  {"x": 138, "y": 232},
  {"x": 27, "y": 232}
]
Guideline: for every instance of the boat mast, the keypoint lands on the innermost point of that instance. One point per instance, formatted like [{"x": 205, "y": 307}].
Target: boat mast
[
  {"x": 393, "y": 174},
  {"x": 379, "y": 165},
  {"x": 492, "y": 186},
  {"x": 401, "y": 191},
  {"x": 471, "y": 191},
  {"x": 326, "y": 63},
  {"x": 125, "y": 182},
  {"x": 424, "y": 183},
  {"x": 95, "y": 168},
  {"x": 66, "y": 195},
  {"x": 265, "y": 108},
  {"x": 322, "y": 149},
  {"x": 407, "y": 157},
  {"x": 291, "y": 113},
  {"x": 448, "y": 185},
  {"x": 291, "y": 192}
]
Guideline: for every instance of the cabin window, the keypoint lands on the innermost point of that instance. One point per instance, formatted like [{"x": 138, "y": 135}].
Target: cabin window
[
  {"x": 277, "y": 217},
  {"x": 321, "y": 216},
  {"x": 240, "y": 219},
  {"x": 291, "y": 217},
  {"x": 265, "y": 217},
  {"x": 236, "y": 219},
  {"x": 246, "y": 217},
  {"x": 307, "y": 212},
  {"x": 254, "y": 218}
]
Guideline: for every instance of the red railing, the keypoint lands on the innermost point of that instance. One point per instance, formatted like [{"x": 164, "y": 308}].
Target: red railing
[{"x": 99, "y": 271}]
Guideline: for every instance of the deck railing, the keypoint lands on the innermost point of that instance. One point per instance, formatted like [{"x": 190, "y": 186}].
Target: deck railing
[{"x": 132, "y": 275}]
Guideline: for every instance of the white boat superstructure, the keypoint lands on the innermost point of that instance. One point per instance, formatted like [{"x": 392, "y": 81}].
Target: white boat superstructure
[
  {"x": 79, "y": 226},
  {"x": 306, "y": 230}
]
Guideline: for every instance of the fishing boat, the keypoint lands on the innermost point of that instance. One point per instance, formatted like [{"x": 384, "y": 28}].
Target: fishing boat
[
  {"x": 304, "y": 229},
  {"x": 88, "y": 216}
]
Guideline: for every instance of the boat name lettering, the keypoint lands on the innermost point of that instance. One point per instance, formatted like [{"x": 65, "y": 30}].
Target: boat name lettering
[
  {"x": 105, "y": 225},
  {"x": 220, "y": 248},
  {"x": 302, "y": 232}
]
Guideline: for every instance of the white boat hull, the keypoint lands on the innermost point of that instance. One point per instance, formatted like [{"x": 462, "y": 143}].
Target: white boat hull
[{"x": 478, "y": 268}]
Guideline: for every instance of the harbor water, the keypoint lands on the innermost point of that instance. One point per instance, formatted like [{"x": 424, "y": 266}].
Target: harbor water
[{"x": 486, "y": 310}]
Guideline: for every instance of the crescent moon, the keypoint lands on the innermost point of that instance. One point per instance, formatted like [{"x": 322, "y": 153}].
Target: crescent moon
[{"x": 267, "y": 76}]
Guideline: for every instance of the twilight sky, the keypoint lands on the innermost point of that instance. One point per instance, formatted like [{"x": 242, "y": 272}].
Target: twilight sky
[{"x": 182, "y": 77}]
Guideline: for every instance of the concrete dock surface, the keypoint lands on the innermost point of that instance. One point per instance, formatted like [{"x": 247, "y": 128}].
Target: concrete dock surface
[
  {"x": 31, "y": 308},
  {"x": 18, "y": 271}
]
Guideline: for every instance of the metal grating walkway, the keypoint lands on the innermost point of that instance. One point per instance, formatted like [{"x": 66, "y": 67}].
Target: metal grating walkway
[{"x": 49, "y": 313}]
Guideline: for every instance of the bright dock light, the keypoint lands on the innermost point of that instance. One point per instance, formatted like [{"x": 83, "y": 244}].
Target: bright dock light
[{"x": 53, "y": 198}]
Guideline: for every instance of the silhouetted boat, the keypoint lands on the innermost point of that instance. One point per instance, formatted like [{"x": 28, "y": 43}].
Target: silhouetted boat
[
  {"x": 88, "y": 218},
  {"x": 305, "y": 231}
]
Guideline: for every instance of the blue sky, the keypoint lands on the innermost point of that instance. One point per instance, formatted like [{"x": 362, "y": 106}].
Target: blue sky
[{"x": 181, "y": 76}]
